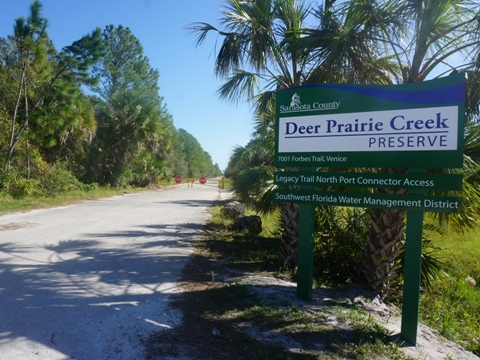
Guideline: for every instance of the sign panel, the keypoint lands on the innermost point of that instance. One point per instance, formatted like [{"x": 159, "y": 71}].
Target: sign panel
[
  {"x": 416, "y": 125},
  {"x": 371, "y": 200},
  {"x": 391, "y": 130},
  {"x": 371, "y": 180}
]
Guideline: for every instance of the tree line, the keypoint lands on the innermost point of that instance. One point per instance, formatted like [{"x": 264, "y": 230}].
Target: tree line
[
  {"x": 270, "y": 45},
  {"x": 90, "y": 113}
]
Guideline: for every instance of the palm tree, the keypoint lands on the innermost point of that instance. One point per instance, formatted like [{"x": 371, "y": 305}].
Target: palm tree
[
  {"x": 395, "y": 41},
  {"x": 257, "y": 58},
  {"x": 266, "y": 48},
  {"x": 345, "y": 44},
  {"x": 346, "y": 49},
  {"x": 252, "y": 170},
  {"x": 425, "y": 43},
  {"x": 357, "y": 41}
]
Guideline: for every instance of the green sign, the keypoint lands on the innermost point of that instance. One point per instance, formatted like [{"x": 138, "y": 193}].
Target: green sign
[
  {"x": 416, "y": 125},
  {"x": 413, "y": 126},
  {"x": 371, "y": 180},
  {"x": 371, "y": 200}
]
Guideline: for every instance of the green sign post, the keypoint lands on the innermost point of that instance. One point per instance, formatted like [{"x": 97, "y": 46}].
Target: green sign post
[
  {"x": 412, "y": 126},
  {"x": 412, "y": 272}
]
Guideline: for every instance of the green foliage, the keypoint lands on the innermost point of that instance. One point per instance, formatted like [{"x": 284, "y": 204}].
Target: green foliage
[
  {"x": 339, "y": 243},
  {"x": 147, "y": 170},
  {"x": 87, "y": 192},
  {"x": 257, "y": 153},
  {"x": 453, "y": 307},
  {"x": 251, "y": 168},
  {"x": 381, "y": 42},
  {"x": 452, "y": 303},
  {"x": 20, "y": 187},
  {"x": 123, "y": 136},
  {"x": 45, "y": 110},
  {"x": 254, "y": 187},
  {"x": 50, "y": 180},
  {"x": 89, "y": 187},
  {"x": 49, "y": 80},
  {"x": 57, "y": 180},
  {"x": 132, "y": 120},
  {"x": 192, "y": 160},
  {"x": 432, "y": 266}
]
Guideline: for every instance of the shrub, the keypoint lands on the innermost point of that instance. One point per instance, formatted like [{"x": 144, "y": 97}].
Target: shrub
[
  {"x": 90, "y": 187},
  {"x": 20, "y": 187},
  {"x": 57, "y": 180},
  {"x": 339, "y": 242}
]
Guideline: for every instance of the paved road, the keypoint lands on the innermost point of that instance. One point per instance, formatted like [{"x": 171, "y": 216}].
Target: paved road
[{"x": 92, "y": 280}]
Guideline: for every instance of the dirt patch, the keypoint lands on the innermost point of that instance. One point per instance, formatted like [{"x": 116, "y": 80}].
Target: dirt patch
[{"x": 19, "y": 225}]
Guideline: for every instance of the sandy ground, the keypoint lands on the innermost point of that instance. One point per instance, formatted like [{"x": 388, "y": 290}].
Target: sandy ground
[{"x": 430, "y": 344}]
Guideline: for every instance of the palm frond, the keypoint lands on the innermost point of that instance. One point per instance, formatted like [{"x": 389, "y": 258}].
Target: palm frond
[
  {"x": 254, "y": 186},
  {"x": 242, "y": 85},
  {"x": 200, "y": 30}
]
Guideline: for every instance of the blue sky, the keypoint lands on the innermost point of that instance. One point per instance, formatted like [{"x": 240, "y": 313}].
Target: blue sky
[{"x": 187, "y": 82}]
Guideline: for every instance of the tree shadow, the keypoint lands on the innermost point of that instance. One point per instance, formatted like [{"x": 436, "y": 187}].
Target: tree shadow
[
  {"x": 65, "y": 299},
  {"x": 229, "y": 313}
]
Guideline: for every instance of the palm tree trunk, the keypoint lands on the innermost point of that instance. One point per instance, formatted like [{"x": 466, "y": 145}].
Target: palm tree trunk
[
  {"x": 289, "y": 241},
  {"x": 384, "y": 244},
  {"x": 384, "y": 249},
  {"x": 288, "y": 252}
]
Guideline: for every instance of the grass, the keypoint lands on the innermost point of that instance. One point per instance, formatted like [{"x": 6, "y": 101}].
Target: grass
[
  {"x": 8, "y": 204},
  {"x": 227, "y": 319},
  {"x": 452, "y": 305}
]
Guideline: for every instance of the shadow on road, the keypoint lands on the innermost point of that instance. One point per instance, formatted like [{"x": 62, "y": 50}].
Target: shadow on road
[{"x": 66, "y": 299}]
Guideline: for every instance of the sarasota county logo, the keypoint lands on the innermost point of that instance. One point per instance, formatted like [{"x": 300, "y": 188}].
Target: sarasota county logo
[
  {"x": 295, "y": 100},
  {"x": 297, "y": 106}
]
